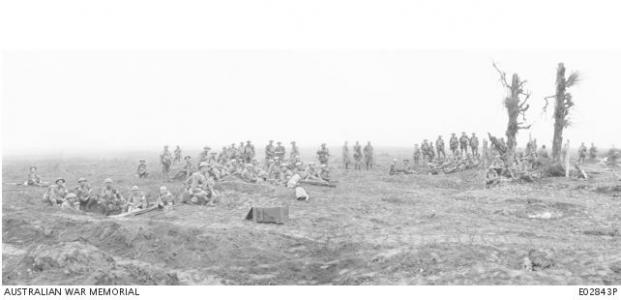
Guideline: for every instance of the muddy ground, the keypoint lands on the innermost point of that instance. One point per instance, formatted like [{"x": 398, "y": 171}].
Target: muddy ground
[{"x": 371, "y": 229}]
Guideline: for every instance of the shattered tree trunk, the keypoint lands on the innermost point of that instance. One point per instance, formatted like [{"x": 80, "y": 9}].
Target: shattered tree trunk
[
  {"x": 516, "y": 107},
  {"x": 559, "y": 113}
]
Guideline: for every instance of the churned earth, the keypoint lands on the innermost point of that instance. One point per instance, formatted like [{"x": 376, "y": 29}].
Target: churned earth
[{"x": 371, "y": 229}]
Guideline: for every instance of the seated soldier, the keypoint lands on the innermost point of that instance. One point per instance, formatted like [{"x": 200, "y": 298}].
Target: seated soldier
[
  {"x": 187, "y": 170},
  {"x": 56, "y": 193},
  {"x": 165, "y": 199},
  {"x": 136, "y": 200},
  {"x": 141, "y": 171},
  {"x": 33, "y": 178},
  {"x": 248, "y": 174},
  {"x": 110, "y": 198},
  {"x": 324, "y": 172},
  {"x": 51, "y": 197},
  {"x": 84, "y": 193},
  {"x": 71, "y": 201}
]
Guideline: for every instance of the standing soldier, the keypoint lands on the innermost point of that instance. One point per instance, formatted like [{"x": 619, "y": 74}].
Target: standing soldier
[
  {"x": 141, "y": 170},
  {"x": 592, "y": 152},
  {"x": 280, "y": 151},
  {"x": 249, "y": 151},
  {"x": 177, "y": 158},
  {"x": 166, "y": 160},
  {"x": 368, "y": 156},
  {"x": 485, "y": 151},
  {"x": 323, "y": 154},
  {"x": 440, "y": 147},
  {"x": 582, "y": 152},
  {"x": 269, "y": 151},
  {"x": 346, "y": 156},
  {"x": 454, "y": 144},
  {"x": 204, "y": 155},
  {"x": 474, "y": 145},
  {"x": 294, "y": 156},
  {"x": 417, "y": 155},
  {"x": 463, "y": 143},
  {"x": 357, "y": 156}
]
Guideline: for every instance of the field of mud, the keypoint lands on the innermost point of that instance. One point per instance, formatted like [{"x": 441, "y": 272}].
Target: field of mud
[{"x": 371, "y": 229}]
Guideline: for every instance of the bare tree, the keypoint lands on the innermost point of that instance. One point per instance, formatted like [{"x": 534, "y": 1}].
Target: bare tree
[
  {"x": 516, "y": 106},
  {"x": 562, "y": 104}
]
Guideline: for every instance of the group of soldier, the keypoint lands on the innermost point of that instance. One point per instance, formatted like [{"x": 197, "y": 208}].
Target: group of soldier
[
  {"x": 360, "y": 155},
  {"x": 108, "y": 199},
  {"x": 240, "y": 162}
]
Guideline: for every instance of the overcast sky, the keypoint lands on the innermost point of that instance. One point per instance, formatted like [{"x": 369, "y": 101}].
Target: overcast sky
[{"x": 76, "y": 101}]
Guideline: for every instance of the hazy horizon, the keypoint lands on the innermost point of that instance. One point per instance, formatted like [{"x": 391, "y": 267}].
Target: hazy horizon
[{"x": 111, "y": 101}]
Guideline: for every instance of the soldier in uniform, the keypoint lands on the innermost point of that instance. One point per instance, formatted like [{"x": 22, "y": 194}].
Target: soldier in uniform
[
  {"x": 204, "y": 155},
  {"x": 110, "y": 198},
  {"x": 33, "y": 177},
  {"x": 592, "y": 152},
  {"x": 178, "y": 155},
  {"x": 56, "y": 193},
  {"x": 582, "y": 153},
  {"x": 463, "y": 143},
  {"x": 417, "y": 156},
  {"x": 84, "y": 193},
  {"x": 357, "y": 156},
  {"x": 199, "y": 187},
  {"x": 136, "y": 200},
  {"x": 280, "y": 151},
  {"x": 323, "y": 154},
  {"x": 166, "y": 160},
  {"x": 454, "y": 144},
  {"x": 187, "y": 170},
  {"x": 346, "y": 156},
  {"x": 474, "y": 145},
  {"x": 71, "y": 201},
  {"x": 368, "y": 156},
  {"x": 294, "y": 156},
  {"x": 249, "y": 151},
  {"x": 165, "y": 199},
  {"x": 269, "y": 151},
  {"x": 440, "y": 148},
  {"x": 141, "y": 170}
]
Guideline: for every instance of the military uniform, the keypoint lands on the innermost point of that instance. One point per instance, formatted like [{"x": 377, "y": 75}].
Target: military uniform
[
  {"x": 474, "y": 145},
  {"x": 84, "y": 193},
  {"x": 280, "y": 151},
  {"x": 582, "y": 153},
  {"x": 178, "y": 155},
  {"x": 346, "y": 156},
  {"x": 141, "y": 170},
  {"x": 357, "y": 156},
  {"x": 55, "y": 194},
  {"x": 166, "y": 160},
  {"x": 111, "y": 200},
  {"x": 136, "y": 200},
  {"x": 454, "y": 144},
  {"x": 294, "y": 155},
  {"x": 368, "y": 156},
  {"x": 592, "y": 152},
  {"x": 165, "y": 199},
  {"x": 269, "y": 151},
  {"x": 323, "y": 155},
  {"x": 463, "y": 143},
  {"x": 440, "y": 148},
  {"x": 33, "y": 177}
]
